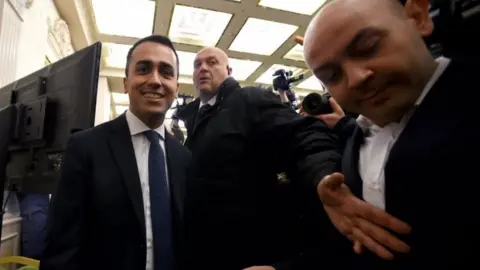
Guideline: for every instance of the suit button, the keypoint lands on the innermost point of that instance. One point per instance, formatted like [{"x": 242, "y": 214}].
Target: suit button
[{"x": 142, "y": 246}]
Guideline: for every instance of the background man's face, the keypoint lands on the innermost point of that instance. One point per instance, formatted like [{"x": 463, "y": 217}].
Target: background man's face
[
  {"x": 210, "y": 70},
  {"x": 370, "y": 55}
]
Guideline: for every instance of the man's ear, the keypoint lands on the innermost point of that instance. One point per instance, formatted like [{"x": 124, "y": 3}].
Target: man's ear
[
  {"x": 125, "y": 85},
  {"x": 229, "y": 70},
  {"x": 417, "y": 10}
]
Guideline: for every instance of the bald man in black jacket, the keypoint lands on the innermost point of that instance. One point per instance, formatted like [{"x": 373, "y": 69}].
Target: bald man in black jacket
[{"x": 238, "y": 214}]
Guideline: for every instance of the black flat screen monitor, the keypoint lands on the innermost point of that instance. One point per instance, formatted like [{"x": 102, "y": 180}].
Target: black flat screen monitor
[{"x": 46, "y": 108}]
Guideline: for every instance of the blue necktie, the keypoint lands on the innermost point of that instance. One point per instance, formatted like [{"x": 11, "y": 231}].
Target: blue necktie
[{"x": 160, "y": 204}]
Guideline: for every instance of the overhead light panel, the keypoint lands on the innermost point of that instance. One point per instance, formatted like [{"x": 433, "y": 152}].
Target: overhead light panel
[
  {"x": 296, "y": 53},
  {"x": 197, "y": 26},
  {"x": 130, "y": 18},
  {"x": 186, "y": 60},
  {"x": 116, "y": 54},
  {"x": 120, "y": 98},
  {"x": 306, "y": 7},
  {"x": 185, "y": 79},
  {"x": 261, "y": 37},
  {"x": 119, "y": 109},
  {"x": 311, "y": 83},
  {"x": 242, "y": 69},
  {"x": 267, "y": 77}
]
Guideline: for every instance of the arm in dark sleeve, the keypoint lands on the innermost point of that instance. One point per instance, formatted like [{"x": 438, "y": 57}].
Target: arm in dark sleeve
[
  {"x": 65, "y": 231},
  {"x": 304, "y": 142}
]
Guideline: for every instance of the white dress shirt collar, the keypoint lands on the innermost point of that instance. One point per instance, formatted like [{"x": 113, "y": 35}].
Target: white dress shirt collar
[
  {"x": 136, "y": 126},
  {"x": 211, "y": 102}
]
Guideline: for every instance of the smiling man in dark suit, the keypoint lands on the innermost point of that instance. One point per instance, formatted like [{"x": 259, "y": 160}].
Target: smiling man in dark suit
[
  {"x": 119, "y": 200},
  {"x": 410, "y": 158}
]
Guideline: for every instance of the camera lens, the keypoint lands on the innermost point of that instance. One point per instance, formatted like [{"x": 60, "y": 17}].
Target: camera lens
[{"x": 315, "y": 104}]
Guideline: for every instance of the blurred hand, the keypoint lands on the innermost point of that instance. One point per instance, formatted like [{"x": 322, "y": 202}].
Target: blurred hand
[
  {"x": 361, "y": 222},
  {"x": 332, "y": 119},
  {"x": 260, "y": 268}
]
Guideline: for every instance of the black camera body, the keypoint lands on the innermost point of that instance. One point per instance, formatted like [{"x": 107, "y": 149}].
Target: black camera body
[{"x": 316, "y": 104}]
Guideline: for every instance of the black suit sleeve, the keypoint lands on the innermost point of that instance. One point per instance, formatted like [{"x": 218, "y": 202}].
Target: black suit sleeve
[
  {"x": 66, "y": 219},
  {"x": 304, "y": 142}
]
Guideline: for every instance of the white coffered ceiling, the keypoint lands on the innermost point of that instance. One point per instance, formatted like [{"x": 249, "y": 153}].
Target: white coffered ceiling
[{"x": 256, "y": 34}]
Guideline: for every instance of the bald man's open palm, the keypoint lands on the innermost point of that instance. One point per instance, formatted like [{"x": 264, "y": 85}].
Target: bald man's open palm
[{"x": 362, "y": 223}]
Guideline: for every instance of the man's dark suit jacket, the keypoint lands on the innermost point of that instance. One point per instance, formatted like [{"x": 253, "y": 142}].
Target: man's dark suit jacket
[
  {"x": 237, "y": 214},
  {"x": 96, "y": 216},
  {"x": 432, "y": 177}
]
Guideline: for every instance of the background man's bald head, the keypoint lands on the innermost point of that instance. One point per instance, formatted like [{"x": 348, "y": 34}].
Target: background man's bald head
[
  {"x": 219, "y": 53},
  {"x": 211, "y": 69}
]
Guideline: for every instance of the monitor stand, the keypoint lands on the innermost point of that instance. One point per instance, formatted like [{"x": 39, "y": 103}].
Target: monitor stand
[{"x": 7, "y": 116}]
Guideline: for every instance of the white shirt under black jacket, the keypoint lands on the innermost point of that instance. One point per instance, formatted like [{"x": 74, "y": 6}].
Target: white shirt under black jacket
[
  {"x": 376, "y": 149},
  {"x": 141, "y": 146},
  {"x": 211, "y": 102}
]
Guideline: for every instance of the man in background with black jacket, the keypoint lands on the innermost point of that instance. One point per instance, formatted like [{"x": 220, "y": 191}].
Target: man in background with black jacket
[{"x": 237, "y": 213}]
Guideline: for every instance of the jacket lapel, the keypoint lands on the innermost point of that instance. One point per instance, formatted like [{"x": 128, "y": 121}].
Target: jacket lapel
[
  {"x": 175, "y": 173},
  {"x": 431, "y": 124},
  {"x": 124, "y": 155},
  {"x": 223, "y": 91},
  {"x": 203, "y": 119},
  {"x": 350, "y": 162}
]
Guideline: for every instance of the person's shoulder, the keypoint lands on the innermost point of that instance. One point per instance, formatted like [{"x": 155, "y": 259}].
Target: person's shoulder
[
  {"x": 92, "y": 134},
  {"x": 257, "y": 90},
  {"x": 178, "y": 147},
  {"x": 258, "y": 94}
]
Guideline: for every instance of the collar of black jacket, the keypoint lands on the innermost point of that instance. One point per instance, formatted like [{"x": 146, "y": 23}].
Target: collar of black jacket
[{"x": 225, "y": 88}]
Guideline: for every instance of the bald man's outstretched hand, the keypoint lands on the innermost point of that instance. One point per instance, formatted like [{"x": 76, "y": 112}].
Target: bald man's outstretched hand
[{"x": 362, "y": 223}]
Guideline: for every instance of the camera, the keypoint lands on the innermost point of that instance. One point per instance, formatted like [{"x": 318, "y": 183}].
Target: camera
[
  {"x": 283, "y": 79},
  {"x": 315, "y": 104}
]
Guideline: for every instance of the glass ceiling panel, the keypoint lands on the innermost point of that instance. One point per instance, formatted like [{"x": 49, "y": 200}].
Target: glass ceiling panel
[
  {"x": 120, "y": 98},
  {"x": 119, "y": 109},
  {"x": 130, "y": 18},
  {"x": 242, "y": 69},
  {"x": 311, "y": 83},
  {"x": 116, "y": 56},
  {"x": 261, "y": 37},
  {"x": 306, "y": 7},
  {"x": 296, "y": 53},
  {"x": 197, "y": 26}
]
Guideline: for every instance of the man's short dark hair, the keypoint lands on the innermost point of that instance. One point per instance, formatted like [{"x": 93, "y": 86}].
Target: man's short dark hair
[{"x": 163, "y": 40}]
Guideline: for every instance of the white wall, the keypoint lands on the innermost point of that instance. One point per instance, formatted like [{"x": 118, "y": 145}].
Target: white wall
[
  {"x": 10, "y": 24},
  {"x": 38, "y": 21}
]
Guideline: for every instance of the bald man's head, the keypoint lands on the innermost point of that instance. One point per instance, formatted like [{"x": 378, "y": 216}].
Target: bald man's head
[
  {"x": 210, "y": 70},
  {"x": 371, "y": 55}
]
